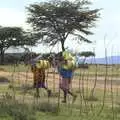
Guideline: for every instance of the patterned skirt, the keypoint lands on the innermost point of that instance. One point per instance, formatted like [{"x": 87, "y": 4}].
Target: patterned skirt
[{"x": 39, "y": 78}]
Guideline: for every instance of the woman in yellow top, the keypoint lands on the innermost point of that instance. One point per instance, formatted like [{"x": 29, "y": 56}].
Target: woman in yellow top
[
  {"x": 38, "y": 69},
  {"x": 66, "y": 66}
]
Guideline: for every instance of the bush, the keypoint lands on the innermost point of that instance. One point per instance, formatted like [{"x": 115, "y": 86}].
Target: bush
[
  {"x": 15, "y": 109},
  {"x": 21, "y": 111},
  {"x": 47, "y": 107}
]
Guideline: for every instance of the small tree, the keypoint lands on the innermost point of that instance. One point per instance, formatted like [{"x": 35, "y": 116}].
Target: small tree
[
  {"x": 13, "y": 36},
  {"x": 54, "y": 21},
  {"x": 86, "y": 54}
]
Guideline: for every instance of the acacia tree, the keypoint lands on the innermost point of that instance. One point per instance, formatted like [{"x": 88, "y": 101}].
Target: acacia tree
[
  {"x": 13, "y": 36},
  {"x": 55, "y": 20},
  {"x": 87, "y": 54}
]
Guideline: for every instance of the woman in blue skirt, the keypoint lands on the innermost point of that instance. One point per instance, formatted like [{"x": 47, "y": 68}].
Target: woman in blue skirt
[{"x": 66, "y": 73}]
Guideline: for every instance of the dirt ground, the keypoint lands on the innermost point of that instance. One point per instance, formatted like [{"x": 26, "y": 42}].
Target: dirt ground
[{"x": 52, "y": 80}]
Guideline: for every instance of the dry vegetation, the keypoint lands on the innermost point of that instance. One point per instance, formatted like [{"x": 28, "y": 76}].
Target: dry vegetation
[{"x": 96, "y": 92}]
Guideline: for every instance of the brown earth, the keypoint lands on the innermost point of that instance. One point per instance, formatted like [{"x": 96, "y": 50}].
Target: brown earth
[{"x": 53, "y": 80}]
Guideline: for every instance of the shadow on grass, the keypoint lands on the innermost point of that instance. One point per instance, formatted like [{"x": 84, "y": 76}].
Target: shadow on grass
[{"x": 4, "y": 80}]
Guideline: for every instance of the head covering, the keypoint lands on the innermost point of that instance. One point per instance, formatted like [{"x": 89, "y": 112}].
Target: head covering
[
  {"x": 71, "y": 63},
  {"x": 42, "y": 64},
  {"x": 67, "y": 55}
]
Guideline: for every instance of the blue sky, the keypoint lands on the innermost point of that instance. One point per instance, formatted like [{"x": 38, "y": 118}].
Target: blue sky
[{"x": 13, "y": 13}]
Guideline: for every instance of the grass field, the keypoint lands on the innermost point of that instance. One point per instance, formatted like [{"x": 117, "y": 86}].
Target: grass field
[{"x": 17, "y": 100}]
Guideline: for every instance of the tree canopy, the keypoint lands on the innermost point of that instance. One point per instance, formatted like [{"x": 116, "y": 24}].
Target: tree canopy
[
  {"x": 87, "y": 54},
  {"x": 55, "y": 20},
  {"x": 13, "y": 36}
]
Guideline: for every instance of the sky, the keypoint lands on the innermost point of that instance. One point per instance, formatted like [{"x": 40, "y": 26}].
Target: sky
[{"x": 106, "y": 33}]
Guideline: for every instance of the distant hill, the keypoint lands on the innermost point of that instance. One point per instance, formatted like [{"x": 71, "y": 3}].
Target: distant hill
[{"x": 108, "y": 60}]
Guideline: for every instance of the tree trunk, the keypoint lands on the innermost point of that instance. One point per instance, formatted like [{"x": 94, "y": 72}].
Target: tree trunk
[
  {"x": 62, "y": 44},
  {"x": 2, "y": 56}
]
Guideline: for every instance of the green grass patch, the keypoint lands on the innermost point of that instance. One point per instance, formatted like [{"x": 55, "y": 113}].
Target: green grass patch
[{"x": 11, "y": 109}]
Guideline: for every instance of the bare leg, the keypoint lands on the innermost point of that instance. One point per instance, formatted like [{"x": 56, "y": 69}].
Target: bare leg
[
  {"x": 65, "y": 96},
  {"x": 48, "y": 91},
  {"x": 37, "y": 92},
  {"x": 72, "y": 94}
]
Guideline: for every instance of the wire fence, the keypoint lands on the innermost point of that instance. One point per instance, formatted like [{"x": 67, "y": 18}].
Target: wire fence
[{"x": 97, "y": 88}]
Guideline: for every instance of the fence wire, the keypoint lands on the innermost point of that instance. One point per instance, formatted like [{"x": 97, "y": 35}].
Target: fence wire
[{"x": 97, "y": 89}]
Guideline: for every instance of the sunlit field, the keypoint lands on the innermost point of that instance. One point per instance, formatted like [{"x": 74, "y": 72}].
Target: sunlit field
[{"x": 97, "y": 90}]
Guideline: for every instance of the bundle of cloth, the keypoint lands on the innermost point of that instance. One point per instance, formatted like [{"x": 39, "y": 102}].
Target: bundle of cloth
[{"x": 66, "y": 64}]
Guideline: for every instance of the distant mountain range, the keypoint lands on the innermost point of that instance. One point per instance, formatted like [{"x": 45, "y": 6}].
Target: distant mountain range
[{"x": 107, "y": 60}]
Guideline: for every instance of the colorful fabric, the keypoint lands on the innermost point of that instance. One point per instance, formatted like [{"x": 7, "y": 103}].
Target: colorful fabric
[
  {"x": 67, "y": 55},
  {"x": 42, "y": 64},
  {"x": 39, "y": 84},
  {"x": 66, "y": 73},
  {"x": 69, "y": 65},
  {"x": 38, "y": 77}
]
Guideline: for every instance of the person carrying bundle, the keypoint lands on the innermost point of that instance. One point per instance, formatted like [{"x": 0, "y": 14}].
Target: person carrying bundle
[
  {"x": 38, "y": 68},
  {"x": 66, "y": 66}
]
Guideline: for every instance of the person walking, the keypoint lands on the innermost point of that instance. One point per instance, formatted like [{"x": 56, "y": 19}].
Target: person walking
[
  {"x": 66, "y": 67},
  {"x": 38, "y": 68}
]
